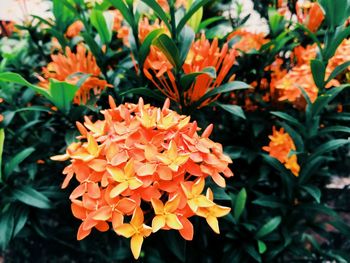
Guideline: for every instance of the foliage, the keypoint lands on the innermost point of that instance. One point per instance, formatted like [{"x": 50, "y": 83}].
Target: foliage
[{"x": 293, "y": 80}]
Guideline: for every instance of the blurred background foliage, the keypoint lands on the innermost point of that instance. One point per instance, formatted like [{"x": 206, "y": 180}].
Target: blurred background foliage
[{"x": 275, "y": 217}]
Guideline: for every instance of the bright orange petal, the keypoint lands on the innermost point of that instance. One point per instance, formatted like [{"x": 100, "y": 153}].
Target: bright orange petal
[
  {"x": 136, "y": 244},
  {"x": 158, "y": 222}
]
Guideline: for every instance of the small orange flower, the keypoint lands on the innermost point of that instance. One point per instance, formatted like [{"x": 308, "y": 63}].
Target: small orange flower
[
  {"x": 281, "y": 147},
  {"x": 310, "y": 14},
  {"x": 140, "y": 156},
  {"x": 67, "y": 68},
  {"x": 74, "y": 29}
]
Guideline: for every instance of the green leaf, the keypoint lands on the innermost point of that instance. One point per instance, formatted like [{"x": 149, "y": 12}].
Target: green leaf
[
  {"x": 99, "y": 21},
  {"x": 278, "y": 166},
  {"x": 18, "y": 79},
  {"x": 169, "y": 49},
  {"x": 233, "y": 109},
  {"x": 62, "y": 94},
  {"x": 313, "y": 191},
  {"x": 333, "y": 40},
  {"x": 269, "y": 227},
  {"x": 310, "y": 168},
  {"x": 30, "y": 196},
  {"x": 191, "y": 11},
  {"x": 328, "y": 147},
  {"x": 20, "y": 220},
  {"x": 285, "y": 116},
  {"x": 240, "y": 203},
  {"x": 338, "y": 70},
  {"x": 268, "y": 201},
  {"x": 196, "y": 18},
  {"x": 159, "y": 12},
  {"x": 204, "y": 24},
  {"x": 261, "y": 247},
  {"x": 187, "y": 80},
  {"x": 124, "y": 10},
  {"x": 335, "y": 128},
  {"x": 296, "y": 137},
  {"x": 2, "y": 139},
  {"x": 227, "y": 87},
  {"x": 318, "y": 70},
  {"x": 336, "y": 12},
  {"x": 11, "y": 165},
  {"x": 6, "y": 228},
  {"x": 252, "y": 252},
  {"x": 145, "y": 92},
  {"x": 186, "y": 39},
  {"x": 323, "y": 100},
  {"x": 146, "y": 44}
]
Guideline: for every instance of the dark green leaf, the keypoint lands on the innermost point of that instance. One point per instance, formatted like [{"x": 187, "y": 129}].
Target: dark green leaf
[
  {"x": 2, "y": 139},
  {"x": 338, "y": 70},
  {"x": 186, "y": 39},
  {"x": 124, "y": 10},
  {"x": 18, "y": 79},
  {"x": 16, "y": 160},
  {"x": 240, "y": 203},
  {"x": 313, "y": 191},
  {"x": 159, "y": 12},
  {"x": 328, "y": 147},
  {"x": 187, "y": 80},
  {"x": 6, "y": 228},
  {"x": 233, "y": 109},
  {"x": 228, "y": 87},
  {"x": 318, "y": 72},
  {"x": 291, "y": 120},
  {"x": 31, "y": 197},
  {"x": 169, "y": 49},
  {"x": 146, "y": 44},
  {"x": 269, "y": 227}
]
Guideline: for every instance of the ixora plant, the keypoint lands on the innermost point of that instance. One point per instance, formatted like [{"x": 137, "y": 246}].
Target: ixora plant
[{"x": 114, "y": 92}]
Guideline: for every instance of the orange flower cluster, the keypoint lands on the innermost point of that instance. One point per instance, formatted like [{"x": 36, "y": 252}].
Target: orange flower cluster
[
  {"x": 202, "y": 54},
  {"x": 310, "y": 14},
  {"x": 301, "y": 76},
  {"x": 281, "y": 147},
  {"x": 247, "y": 41},
  {"x": 67, "y": 68},
  {"x": 144, "y": 160}
]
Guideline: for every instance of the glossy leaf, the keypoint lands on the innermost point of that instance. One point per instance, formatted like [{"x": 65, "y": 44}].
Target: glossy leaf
[
  {"x": 62, "y": 94},
  {"x": 99, "y": 21},
  {"x": 318, "y": 70},
  {"x": 17, "y": 160},
  {"x": 169, "y": 49},
  {"x": 269, "y": 227},
  {"x": 240, "y": 204},
  {"x": 31, "y": 197}
]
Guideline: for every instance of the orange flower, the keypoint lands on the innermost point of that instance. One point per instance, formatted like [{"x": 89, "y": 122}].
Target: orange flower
[
  {"x": 138, "y": 155},
  {"x": 310, "y": 14},
  {"x": 74, "y": 29},
  {"x": 281, "y": 147},
  {"x": 247, "y": 41},
  {"x": 6, "y": 28},
  {"x": 201, "y": 55},
  {"x": 67, "y": 68}
]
